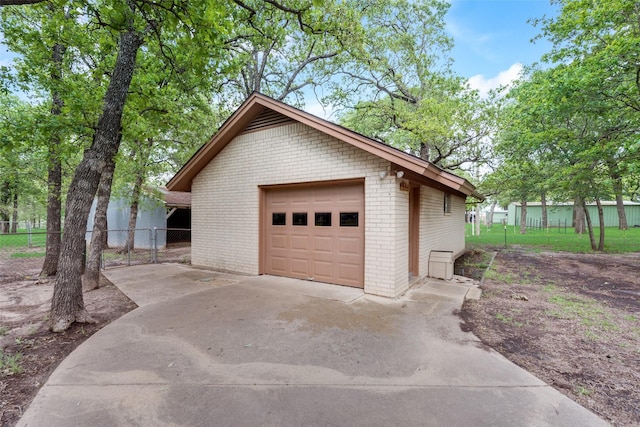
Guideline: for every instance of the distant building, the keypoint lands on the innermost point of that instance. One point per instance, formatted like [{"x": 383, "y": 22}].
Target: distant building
[
  {"x": 499, "y": 216},
  {"x": 561, "y": 214},
  {"x": 158, "y": 209}
]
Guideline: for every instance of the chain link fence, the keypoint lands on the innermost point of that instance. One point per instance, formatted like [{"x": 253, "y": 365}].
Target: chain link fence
[
  {"x": 537, "y": 224},
  {"x": 29, "y": 243},
  {"x": 123, "y": 248},
  {"x": 22, "y": 226},
  {"x": 145, "y": 246},
  {"x": 121, "y": 251}
]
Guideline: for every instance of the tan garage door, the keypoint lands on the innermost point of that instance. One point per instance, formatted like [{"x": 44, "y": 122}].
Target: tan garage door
[{"x": 316, "y": 233}]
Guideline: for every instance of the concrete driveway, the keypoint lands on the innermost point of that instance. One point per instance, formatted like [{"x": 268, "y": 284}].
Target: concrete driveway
[{"x": 212, "y": 349}]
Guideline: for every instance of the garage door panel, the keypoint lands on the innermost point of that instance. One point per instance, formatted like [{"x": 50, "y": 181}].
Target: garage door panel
[
  {"x": 349, "y": 195},
  {"x": 347, "y": 201},
  {"x": 300, "y": 242},
  {"x": 299, "y": 201},
  {"x": 323, "y": 270},
  {"x": 348, "y": 272},
  {"x": 323, "y": 244},
  {"x": 278, "y": 241},
  {"x": 325, "y": 252},
  {"x": 279, "y": 264},
  {"x": 324, "y": 200},
  {"x": 349, "y": 245},
  {"x": 300, "y": 267}
]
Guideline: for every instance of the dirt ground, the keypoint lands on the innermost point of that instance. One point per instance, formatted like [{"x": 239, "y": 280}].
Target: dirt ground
[
  {"x": 573, "y": 320},
  {"x": 28, "y": 351}
]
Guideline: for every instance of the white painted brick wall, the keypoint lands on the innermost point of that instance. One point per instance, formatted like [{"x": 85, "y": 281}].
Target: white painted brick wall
[
  {"x": 225, "y": 200},
  {"x": 402, "y": 240},
  {"x": 225, "y": 204},
  {"x": 439, "y": 231}
]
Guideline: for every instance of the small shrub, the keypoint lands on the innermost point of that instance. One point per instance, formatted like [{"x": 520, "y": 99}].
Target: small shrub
[{"x": 10, "y": 363}]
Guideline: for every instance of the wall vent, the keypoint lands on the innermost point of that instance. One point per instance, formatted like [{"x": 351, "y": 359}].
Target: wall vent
[{"x": 268, "y": 118}]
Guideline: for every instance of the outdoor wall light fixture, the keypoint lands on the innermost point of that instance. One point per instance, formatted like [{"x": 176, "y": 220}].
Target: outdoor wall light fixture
[
  {"x": 399, "y": 174},
  {"x": 383, "y": 174}
]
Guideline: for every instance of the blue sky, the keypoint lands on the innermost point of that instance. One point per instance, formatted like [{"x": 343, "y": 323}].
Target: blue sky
[
  {"x": 493, "y": 39},
  {"x": 5, "y": 57}
]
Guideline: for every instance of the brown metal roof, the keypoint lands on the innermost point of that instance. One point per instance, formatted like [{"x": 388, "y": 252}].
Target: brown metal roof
[
  {"x": 178, "y": 199},
  {"x": 420, "y": 170}
]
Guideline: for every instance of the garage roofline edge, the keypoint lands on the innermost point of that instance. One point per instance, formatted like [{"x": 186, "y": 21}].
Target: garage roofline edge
[{"x": 256, "y": 103}]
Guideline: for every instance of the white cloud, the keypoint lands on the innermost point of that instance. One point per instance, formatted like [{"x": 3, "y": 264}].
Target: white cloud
[
  {"x": 504, "y": 78},
  {"x": 467, "y": 35}
]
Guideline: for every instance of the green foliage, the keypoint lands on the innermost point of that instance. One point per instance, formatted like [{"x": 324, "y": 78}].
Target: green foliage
[
  {"x": 181, "y": 90},
  {"x": 558, "y": 140},
  {"x": 22, "y": 164},
  {"x": 604, "y": 38},
  {"x": 10, "y": 363},
  {"x": 280, "y": 54},
  {"x": 570, "y": 131},
  {"x": 168, "y": 102},
  {"x": 400, "y": 90}
]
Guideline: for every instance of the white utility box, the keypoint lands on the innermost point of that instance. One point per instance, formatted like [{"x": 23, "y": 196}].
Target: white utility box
[{"x": 441, "y": 265}]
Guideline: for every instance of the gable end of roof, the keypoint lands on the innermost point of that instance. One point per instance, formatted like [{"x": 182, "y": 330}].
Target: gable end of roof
[{"x": 260, "y": 112}]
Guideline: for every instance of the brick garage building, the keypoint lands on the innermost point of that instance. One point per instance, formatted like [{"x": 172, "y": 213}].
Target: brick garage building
[{"x": 279, "y": 191}]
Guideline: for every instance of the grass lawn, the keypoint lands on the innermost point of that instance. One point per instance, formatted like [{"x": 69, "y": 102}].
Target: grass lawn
[
  {"x": 24, "y": 239},
  {"x": 554, "y": 239}
]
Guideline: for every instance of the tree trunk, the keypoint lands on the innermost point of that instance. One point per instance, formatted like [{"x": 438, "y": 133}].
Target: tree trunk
[
  {"x": 133, "y": 211},
  {"x": 99, "y": 233},
  {"x": 523, "y": 217},
  {"x": 579, "y": 216},
  {"x": 14, "y": 221},
  {"x": 424, "y": 151},
  {"x": 622, "y": 214},
  {"x": 491, "y": 211},
  {"x": 54, "y": 180},
  {"x": 587, "y": 217},
  {"x": 54, "y": 215},
  {"x": 601, "y": 219},
  {"x": 616, "y": 182},
  {"x": 67, "y": 304},
  {"x": 141, "y": 157},
  {"x": 5, "y": 199},
  {"x": 545, "y": 217}
]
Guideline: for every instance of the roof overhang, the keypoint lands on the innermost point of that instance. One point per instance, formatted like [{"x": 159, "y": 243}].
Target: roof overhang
[{"x": 417, "y": 170}]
